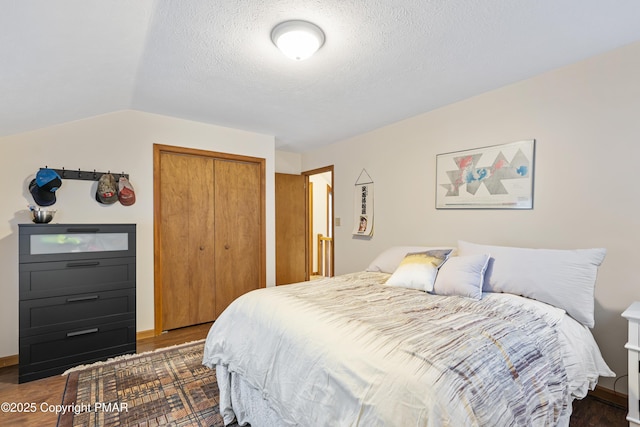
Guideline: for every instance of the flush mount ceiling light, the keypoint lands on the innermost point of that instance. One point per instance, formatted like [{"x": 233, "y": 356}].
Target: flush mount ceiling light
[{"x": 297, "y": 39}]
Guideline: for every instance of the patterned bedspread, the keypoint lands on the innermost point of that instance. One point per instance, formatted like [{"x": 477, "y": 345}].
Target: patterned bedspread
[{"x": 351, "y": 351}]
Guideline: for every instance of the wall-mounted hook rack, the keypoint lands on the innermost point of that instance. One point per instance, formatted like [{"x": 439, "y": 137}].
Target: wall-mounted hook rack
[{"x": 85, "y": 175}]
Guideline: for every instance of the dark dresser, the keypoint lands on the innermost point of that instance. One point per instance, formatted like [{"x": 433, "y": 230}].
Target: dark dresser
[{"x": 77, "y": 295}]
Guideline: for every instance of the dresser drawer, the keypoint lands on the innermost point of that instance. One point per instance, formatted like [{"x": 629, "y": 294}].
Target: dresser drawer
[
  {"x": 44, "y": 315},
  {"x": 53, "y": 353},
  {"x": 58, "y": 242},
  {"x": 46, "y": 279}
]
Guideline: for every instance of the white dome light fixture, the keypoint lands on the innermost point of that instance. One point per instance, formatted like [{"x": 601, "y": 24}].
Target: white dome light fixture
[{"x": 297, "y": 39}]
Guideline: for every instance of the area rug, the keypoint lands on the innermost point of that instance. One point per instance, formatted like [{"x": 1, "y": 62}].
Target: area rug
[{"x": 169, "y": 386}]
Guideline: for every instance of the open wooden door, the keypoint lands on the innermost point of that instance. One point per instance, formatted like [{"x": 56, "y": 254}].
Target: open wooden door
[{"x": 291, "y": 252}]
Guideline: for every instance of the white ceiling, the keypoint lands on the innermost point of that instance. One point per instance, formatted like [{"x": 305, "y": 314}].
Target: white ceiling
[{"x": 213, "y": 60}]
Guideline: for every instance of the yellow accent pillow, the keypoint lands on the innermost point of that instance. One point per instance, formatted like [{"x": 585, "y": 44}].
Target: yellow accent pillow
[{"x": 418, "y": 270}]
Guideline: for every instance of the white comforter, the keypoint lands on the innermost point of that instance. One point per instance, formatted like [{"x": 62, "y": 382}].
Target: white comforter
[{"x": 351, "y": 351}]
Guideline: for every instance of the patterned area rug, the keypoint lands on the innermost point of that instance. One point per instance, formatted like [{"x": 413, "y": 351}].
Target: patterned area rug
[{"x": 165, "y": 387}]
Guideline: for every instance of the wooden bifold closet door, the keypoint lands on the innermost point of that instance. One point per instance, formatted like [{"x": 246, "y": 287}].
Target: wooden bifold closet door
[
  {"x": 209, "y": 234},
  {"x": 237, "y": 222}
]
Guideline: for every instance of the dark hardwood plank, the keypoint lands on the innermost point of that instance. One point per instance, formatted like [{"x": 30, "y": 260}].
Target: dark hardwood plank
[{"x": 595, "y": 412}]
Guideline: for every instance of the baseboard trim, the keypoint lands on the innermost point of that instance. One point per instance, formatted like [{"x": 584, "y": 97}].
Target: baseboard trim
[
  {"x": 9, "y": 361},
  {"x": 610, "y": 396},
  {"x": 150, "y": 333}
]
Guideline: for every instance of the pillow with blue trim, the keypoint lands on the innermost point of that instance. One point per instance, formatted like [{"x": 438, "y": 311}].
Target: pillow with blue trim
[{"x": 418, "y": 270}]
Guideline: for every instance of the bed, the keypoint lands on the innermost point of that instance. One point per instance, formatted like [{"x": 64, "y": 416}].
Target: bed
[{"x": 425, "y": 336}]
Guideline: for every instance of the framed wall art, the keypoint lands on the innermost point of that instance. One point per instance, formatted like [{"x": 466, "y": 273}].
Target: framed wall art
[{"x": 495, "y": 177}]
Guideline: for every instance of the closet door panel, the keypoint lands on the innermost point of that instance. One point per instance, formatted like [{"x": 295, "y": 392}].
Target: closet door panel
[
  {"x": 201, "y": 238},
  {"x": 174, "y": 265},
  {"x": 238, "y": 227},
  {"x": 188, "y": 292}
]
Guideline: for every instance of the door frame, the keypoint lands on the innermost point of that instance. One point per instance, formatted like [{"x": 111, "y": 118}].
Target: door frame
[
  {"x": 157, "y": 234},
  {"x": 309, "y": 216}
]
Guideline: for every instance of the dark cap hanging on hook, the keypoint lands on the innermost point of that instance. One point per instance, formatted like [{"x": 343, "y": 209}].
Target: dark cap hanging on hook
[{"x": 43, "y": 188}]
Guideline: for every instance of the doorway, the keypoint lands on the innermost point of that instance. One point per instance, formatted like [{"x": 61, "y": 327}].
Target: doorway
[
  {"x": 304, "y": 225},
  {"x": 320, "y": 227}
]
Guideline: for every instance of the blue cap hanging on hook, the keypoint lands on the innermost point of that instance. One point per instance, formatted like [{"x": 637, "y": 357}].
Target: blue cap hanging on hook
[{"x": 44, "y": 186}]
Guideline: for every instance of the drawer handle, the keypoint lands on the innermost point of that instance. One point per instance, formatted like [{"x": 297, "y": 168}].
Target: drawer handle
[
  {"x": 85, "y": 332},
  {"x": 77, "y": 299},
  {"x": 83, "y": 264},
  {"x": 83, "y": 230}
]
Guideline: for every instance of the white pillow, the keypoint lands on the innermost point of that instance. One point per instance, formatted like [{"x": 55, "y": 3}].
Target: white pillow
[
  {"x": 563, "y": 278},
  {"x": 462, "y": 275},
  {"x": 418, "y": 270},
  {"x": 390, "y": 259}
]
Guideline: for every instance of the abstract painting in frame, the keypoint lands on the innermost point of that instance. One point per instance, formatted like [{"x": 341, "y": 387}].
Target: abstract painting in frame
[{"x": 496, "y": 177}]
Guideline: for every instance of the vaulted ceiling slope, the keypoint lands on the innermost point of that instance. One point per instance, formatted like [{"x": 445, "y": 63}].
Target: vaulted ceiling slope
[{"x": 214, "y": 62}]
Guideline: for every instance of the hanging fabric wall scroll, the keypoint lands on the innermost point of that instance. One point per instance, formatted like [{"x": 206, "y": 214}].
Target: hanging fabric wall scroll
[{"x": 363, "y": 205}]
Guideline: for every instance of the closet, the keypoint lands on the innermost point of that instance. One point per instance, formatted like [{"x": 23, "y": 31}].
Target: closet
[{"x": 209, "y": 233}]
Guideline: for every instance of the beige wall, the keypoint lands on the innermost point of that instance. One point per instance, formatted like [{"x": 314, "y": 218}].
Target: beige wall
[
  {"x": 586, "y": 121},
  {"x": 288, "y": 162},
  {"x": 116, "y": 142}
]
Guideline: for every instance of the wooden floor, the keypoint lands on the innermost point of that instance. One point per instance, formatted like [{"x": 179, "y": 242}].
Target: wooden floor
[{"x": 48, "y": 391}]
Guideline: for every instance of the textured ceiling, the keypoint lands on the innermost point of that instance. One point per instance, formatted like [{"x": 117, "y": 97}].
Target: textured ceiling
[{"x": 213, "y": 61}]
